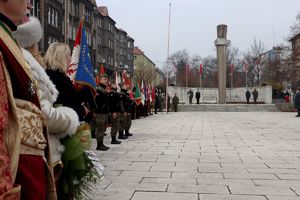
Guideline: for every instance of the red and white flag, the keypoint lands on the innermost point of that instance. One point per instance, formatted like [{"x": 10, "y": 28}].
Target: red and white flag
[{"x": 201, "y": 69}]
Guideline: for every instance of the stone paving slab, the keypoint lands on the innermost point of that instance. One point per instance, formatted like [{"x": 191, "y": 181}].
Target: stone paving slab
[{"x": 205, "y": 156}]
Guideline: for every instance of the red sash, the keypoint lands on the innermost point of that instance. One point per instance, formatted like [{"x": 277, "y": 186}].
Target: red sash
[{"x": 23, "y": 86}]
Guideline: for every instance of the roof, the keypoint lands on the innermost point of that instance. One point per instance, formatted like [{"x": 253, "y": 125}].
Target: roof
[
  {"x": 294, "y": 37},
  {"x": 137, "y": 51},
  {"x": 103, "y": 10}
]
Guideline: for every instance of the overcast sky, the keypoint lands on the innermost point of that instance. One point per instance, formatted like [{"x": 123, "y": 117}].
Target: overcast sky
[{"x": 193, "y": 23}]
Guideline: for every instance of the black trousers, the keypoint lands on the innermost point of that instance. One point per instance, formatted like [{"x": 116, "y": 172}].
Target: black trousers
[{"x": 198, "y": 100}]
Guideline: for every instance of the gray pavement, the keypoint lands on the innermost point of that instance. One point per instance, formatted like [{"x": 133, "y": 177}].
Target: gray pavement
[{"x": 205, "y": 156}]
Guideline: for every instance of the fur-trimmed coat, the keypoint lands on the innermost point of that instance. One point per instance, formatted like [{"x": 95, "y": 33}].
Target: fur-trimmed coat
[{"x": 61, "y": 121}]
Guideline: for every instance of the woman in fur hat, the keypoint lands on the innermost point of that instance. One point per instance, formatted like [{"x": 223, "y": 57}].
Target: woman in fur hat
[{"x": 61, "y": 121}]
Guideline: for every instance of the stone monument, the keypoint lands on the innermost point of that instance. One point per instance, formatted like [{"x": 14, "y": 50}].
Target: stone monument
[{"x": 221, "y": 43}]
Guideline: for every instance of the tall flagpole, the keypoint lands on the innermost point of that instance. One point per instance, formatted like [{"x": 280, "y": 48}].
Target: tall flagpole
[{"x": 168, "y": 54}]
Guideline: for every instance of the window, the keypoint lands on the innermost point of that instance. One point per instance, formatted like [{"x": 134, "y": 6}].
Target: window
[
  {"x": 88, "y": 15},
  {"x": 129, "y": 57},
  {"x": 110, "y": 27},
  {"x": 110, "y": 44},
  {"x": 35, "y": 11},
  {"x": 52, "y": 16},
  {"x": 100, "y": 23}
]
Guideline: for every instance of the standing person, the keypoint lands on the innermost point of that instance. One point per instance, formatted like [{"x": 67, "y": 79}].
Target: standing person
[
  {"x": 175, "y": 102},
  {"x": 156, "y": 102},
  {"x": 57, "y": 59},
  {"x": 62, "y": 121},
  {"x": 101, "y": 112},
  {"x": 255, "y": 95},
  {"x": 23, "y": 136},
  {"x": 198, "y": 95},
  {"x": 297, "y": 101},
  {"x": 191, "y": 95},
  {"x": 125, "y": 119},
  {"x": 248, "y": 94},
  {"x": 114, "y": 109},
  {"x": 169, "y": 102}
]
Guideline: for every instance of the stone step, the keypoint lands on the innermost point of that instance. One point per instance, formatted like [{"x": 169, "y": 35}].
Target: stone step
[{"x": 228, "y": 108}]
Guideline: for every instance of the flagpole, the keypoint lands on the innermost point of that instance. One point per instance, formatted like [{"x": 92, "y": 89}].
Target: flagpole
[
  {"x": 168, "y": 54},
  {"x": 246, "y": 79}
]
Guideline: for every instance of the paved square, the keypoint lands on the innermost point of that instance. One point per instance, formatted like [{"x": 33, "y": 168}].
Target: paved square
[{"x": 205, "y": 156}]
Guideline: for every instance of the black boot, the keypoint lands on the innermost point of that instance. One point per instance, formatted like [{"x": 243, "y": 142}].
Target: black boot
[
  {"x": 127, "y": 133},
  {"x": 101, "y": 146},
  {"x": 122, "y": 136},
  {"x": 114, "y": 140},
  {"x": 93, "y": 133}
]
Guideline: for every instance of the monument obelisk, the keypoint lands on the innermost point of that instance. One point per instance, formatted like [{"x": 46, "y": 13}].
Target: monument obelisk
[{"x": 221, "y": 43}]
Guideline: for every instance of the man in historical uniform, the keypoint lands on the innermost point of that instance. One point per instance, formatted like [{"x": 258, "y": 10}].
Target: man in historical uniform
[
  {"x": 114, "y": 109},
  {"x": 101, "y": 112},
  {"x": 125, "y": 116},
  {"x": 25, "y": 165}
]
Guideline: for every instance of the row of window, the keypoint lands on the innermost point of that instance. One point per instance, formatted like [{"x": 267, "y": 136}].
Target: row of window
[{"x": 52, "y": 16}]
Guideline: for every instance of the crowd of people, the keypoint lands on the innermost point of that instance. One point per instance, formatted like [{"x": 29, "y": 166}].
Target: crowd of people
[{"x": 44, "y": 114}]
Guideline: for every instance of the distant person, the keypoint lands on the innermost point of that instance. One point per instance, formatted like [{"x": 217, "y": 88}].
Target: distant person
[
  {"x": 156, "y": 102},
  {"x": 175, "y": 102},
  {"x": 191, "y": 95},
  {"x": 198, "y": 95},
  {"x": 287, "y": 97},
  {"x": 297, "y": 101},
  {"x": 248, "y": 94},
  {"x": 255, "y": 95}
]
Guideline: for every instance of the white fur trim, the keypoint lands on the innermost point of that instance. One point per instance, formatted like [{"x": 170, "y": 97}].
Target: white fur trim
[
  {"x": 29, "y": 33},
  {"x": 46, "y": 86},
  {"x": 74, "y": 121},
  {"x": 56, "y": 148}
]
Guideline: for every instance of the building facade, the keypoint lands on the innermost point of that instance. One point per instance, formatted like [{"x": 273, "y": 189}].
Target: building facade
[
  {"x": 296, "y": 57},
  {"x": 108, "y": 45},
  {"x": 144, "y": 68}
]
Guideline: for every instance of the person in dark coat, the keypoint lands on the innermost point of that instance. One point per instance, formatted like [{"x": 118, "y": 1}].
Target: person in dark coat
[
  {"x": 101, "y": 112},
  {"x": 114, "y": 109},
  {"x": 297, "y": 101},
  {"x": 255, "y": 95},
  {"x": 175, "y": 102},
  {"x": 68, "y": 94},
  {"x": 248, "y": 94},
  {"x": 198, "y": 95},
  {"x": 191, "y": 95}
]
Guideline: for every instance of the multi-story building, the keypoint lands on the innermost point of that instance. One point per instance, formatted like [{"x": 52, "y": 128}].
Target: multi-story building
[
  {"x": 109, "y": 46},
  {"x": 144, "y": 68},
  {"x": 49, "y": 13},
  {"x": 296, "y": 57},
  {"x": 106, "y": 40},
  {"x": 129, "y": 62}
]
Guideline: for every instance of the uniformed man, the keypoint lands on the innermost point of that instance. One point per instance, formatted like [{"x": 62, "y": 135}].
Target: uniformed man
[
  {"x": 101, "y": 112},
  {"x": 114, "y": 109},
  {"x": 125, "y": 116}
]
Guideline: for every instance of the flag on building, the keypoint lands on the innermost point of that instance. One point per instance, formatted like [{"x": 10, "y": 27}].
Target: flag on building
[{"x": 81, "y": 69}]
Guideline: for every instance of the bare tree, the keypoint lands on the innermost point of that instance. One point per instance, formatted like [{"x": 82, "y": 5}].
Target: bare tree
[{"x": 295, "y": 28}]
